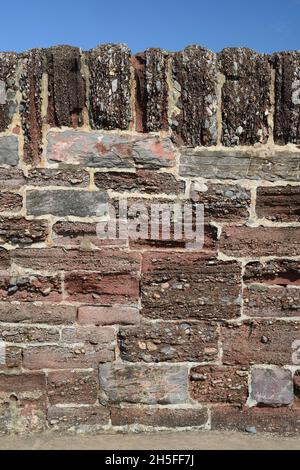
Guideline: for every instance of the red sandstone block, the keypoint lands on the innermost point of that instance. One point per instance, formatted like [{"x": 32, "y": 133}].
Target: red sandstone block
[
  {"x": 24, "y": 382},
  {"x": 159, "y": 417},
  {"x": 103, "y": 336},
  {"x": 280, "y": 272},
  {"x": 108, "y": 315},
  {"x": 80, "y": 234},
  {"x": 12, "y": 360},
  {"x": 253, "y": 242},
  {"x": 28, "y": 334},
  {"x": 4, "y": 259},
  {"x": 260, "y": 342},
  {"x": 66, "y": 386},
  {"x": 264, "y": 301},
  {"x": 279, "y": 203},
  {"x": 234, "y": 418},
  {"x": 99, "y": 288},
  {"x": 10, "y": 202},
  {"x": 19, "y": 231},
  {"x": 31, "y": 288},
  {"x": 219, "y": 384}
]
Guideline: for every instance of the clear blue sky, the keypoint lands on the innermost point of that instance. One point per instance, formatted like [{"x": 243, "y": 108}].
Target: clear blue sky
[{"x": 264, "y": 25}]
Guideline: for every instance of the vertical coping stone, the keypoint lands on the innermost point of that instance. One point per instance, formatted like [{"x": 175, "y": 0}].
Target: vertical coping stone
[
  {"x": 109, "y": 101},
  {"x": 66, "y": 86},
  {"x": 31, "y": 104},
  {"x": 287, "y": 97},
  {"x": 194, "y": 76},
  {"x": 8, "y": 79},
  {"x": 245, "y": 96}
]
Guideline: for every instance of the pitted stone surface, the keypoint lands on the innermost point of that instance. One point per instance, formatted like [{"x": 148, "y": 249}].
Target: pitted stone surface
[{"x": 272, "y": 386}]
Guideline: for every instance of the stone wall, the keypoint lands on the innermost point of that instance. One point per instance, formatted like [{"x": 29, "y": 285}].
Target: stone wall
[{"x": 142, "y": 334}]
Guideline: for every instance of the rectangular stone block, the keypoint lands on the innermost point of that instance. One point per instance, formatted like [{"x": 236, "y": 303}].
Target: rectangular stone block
[
  {"x": 19, "y": 231},
  {"x": 12, "y": 360},
  {"x": 260, "y": 342},
  {"x": 287, "y": 97},
  {"x": 77, "y": 387},
  {"x": 108, "y": 315},
  {"x": 193, "y": 286},
  {"x": 101, "y": 288},
  {"x": 245, "y": 96},
  {"x": 50, "y": 177},
  {"x": 278, "y": 203},
  {"x": 273, "y": 165},
  {"x": 224, "y": 203},
  {"x": 144, "y": 181},
  {"x": 11, "y": 178},
  {"x": 193, "y": 118},
  {"x": 93, "y": 149},
  {"x": 141, "y": 383},
  {"x": 66, "y": 87},
  {"x": 254, "y": 242},
  {"x": 81, "y": 235},
  {"x": 10, "y": 202},
  {"x": 57, "y": 259},
  {"x": 264, "y": 301},
  {"x": 110, "y": 95},
  {"x": 35, "y": 313},
  {"x": 28, "y": 334},
  {"x": 103, "y": 336},
  {"x": 9, "y": 150},
  {"x": 80, "y": 418},
  {"x": 63, "y": 203},
  {"x": 159, "y": 342},
  {"x": 25, "y": 382},
  {"x": 159, "y": 417},
  {"x": 30, "y": 288},
  {"x": 8, "y": 66},
  {"x": 219, "y": 384},
  {"x": 280, "y": 272},
  {"x": 272, "y": 387}
]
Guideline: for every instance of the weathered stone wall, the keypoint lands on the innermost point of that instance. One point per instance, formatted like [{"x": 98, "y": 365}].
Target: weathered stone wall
[{"x": 144, "y": 334}]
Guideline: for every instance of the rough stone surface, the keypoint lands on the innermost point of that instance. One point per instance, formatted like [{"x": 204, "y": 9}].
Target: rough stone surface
[
  {"x": 287, "y": 97},
  {"x": 263, "y": 301},
  {"x": 66, "y": 86},
  {"x": 282, "y": 272},
  {"x": 19, "y": 231},
  {"x": 11, "y": 178},
  {"x": 147, "y": 384},
  {"x": 64, "y": 203},
  {"x": 109, "y": 98},
  {"x": 279, "y": 203},
  {"x": 9, "y": 150},
  {"x": 160, "y": 342},
  {"x": 50, "y": 177},
  {"x": 218, "y": 384},
  {"x": 270, "y": 165},
  {"x": 10, "y": 202},
  {"x": 68, "y": 418},
  {"x": 245, "y": 96},
  {"x": 110, "y": 150},
  {"x": 30, "y": 313},
  {"x": 262, "y": 241},
  {"x": 31, "y": 288},
  {"x": 259, "y": 342},
  {"x": 81, "y": 234},
  {"x": 66, "y": 387},
  {"x": 272, "y": 386},
  {"x": 8, "y": 66},
  {"x": 194, "y": 75},
  {"x": 177, "y": 286}
]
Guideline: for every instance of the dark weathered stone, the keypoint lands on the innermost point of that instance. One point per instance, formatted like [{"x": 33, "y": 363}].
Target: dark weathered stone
[
  {"x": 64, "y": 203},
  {"x": 177, "y": 286},
  {"x": 65, "y": 86},
  {"x": 109, "y": 94},
  {"x": 222, "y": 202},
  {"x": 264, "y": 301},
  {"x": 163, "y": 417},
  {"x": 279, "y": 203},
  {"x": 48, "y": 177},
  {"x": 11, "y": 178},
  {"x": 241, "y": 164},
  {"x": 8, "y": 66},
  {"x": 272, "y": 386},
  {"x": 4, "y": 259},
  {"x": 141, "y": 383},
  {"x": 279, "y": 272},
  {"x": 297, "y": 384},
  {"x": 287, "y": 97},
  {"x": 245, "y": 96},
  {"x": 254, "y": 242},
  {"x": 110, "y": 150},
  {"x": 217, "y": 384},
  {"x": 30, "y": 288},
  {"x": 9, "y": 150},
  {"x": 81, "y": 234},
  {"x": 159, "y": 342},
  {"x": 19, "y": 231},
  {"x": 194, "y": 72},
  {"x": 144, "y": 181},
  {"x": 259, "y": 342},
  {"x": 33, "y": 66}
]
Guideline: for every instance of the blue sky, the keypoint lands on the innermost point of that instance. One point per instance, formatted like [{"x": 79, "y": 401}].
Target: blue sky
[{"x": 263, "y": 25}]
